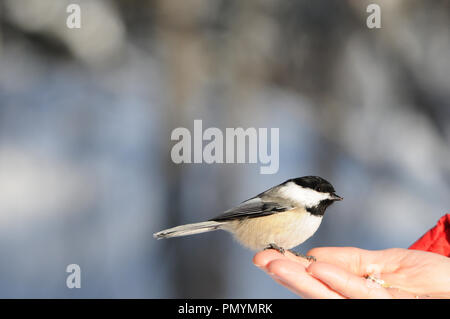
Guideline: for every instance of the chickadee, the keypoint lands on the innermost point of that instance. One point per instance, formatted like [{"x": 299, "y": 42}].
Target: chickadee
[{"x": 280, "y": 218}]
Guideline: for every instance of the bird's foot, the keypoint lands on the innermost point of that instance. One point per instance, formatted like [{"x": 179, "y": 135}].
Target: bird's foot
[
  {"x": 310, "y": 258},
  {"x": 276, "y": 247}
]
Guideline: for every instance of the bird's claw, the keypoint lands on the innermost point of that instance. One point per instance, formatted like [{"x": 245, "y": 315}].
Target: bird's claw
[
  {"x": 309, "y": 258},
  {"x": 281, "y": 250}
]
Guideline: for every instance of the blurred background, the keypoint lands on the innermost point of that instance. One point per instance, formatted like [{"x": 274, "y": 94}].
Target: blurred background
[{"x": 86, "y": 116}]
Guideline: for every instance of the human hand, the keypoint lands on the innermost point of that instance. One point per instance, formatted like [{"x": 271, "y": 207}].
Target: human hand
[{"x": 340, "y": 272}]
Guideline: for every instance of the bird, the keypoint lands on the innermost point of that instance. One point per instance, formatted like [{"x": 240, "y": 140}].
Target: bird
[{"x": 279, "y": 218}]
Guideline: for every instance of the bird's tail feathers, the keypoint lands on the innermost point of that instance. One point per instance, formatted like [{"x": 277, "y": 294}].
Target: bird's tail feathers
[{"x": 188, "y": 229}]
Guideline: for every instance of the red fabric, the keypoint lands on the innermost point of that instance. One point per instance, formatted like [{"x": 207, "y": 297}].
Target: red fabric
[{"x": 437, "y": 239}]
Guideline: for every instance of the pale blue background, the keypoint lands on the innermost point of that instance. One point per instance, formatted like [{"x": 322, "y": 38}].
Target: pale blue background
[{"x": 86, "y": 117}]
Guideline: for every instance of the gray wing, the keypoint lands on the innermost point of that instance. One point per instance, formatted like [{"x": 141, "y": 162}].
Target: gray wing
[{"x": 251, "y": 208}]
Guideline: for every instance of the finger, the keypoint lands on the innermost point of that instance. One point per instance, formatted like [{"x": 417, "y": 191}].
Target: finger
[
  {"x": 347, "y": 283},
  {"x": 298, "y": 259},
  {"x": 293, "y": 276},
  {"x": 400, "y": 294},
  {"x": 358, "y": 261},
  {"x": 264, "y": 257}
]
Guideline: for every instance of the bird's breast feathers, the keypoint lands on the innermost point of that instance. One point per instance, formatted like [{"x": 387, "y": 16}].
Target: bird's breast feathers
[{"x": 286, "y": 229}]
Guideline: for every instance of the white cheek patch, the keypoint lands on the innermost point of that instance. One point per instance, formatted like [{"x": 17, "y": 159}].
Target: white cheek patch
[{"x": 304, "y": 196}]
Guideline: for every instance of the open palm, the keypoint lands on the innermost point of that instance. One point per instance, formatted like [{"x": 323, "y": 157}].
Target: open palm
[{"x": 341, "y": 272}]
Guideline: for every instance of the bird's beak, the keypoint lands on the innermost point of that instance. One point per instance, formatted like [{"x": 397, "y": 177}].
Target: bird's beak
[{"x": 335, "y": 197}]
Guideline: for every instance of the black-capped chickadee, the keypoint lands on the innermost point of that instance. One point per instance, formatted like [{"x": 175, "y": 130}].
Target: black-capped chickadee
[{"x": 280, "y": 218}]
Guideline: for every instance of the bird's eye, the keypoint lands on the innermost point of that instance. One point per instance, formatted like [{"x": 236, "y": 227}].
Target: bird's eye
[{"x": 318, "y": 188}]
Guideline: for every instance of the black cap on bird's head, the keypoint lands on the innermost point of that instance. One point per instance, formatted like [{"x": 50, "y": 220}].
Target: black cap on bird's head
[
  {"x": 318, "y": 184},
  {"x": 325, "y": 193}
]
